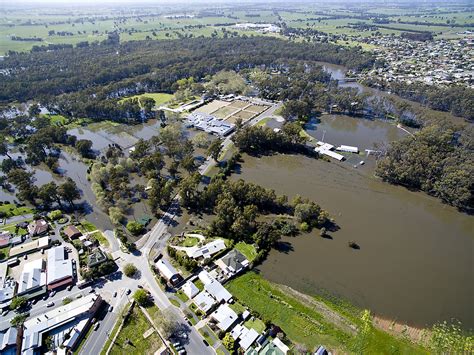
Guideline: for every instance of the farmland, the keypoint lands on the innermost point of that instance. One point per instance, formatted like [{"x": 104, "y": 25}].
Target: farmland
[{"x": 23, "y": 28}]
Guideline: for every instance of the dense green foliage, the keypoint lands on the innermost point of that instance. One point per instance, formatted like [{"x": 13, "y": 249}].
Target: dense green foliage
[
  {"x": 459, "y": 100},
  {"x": 95, "y": 78},
  {"x": 130, "y": 270},
  {"x": 260, "y": 140},
  {"x": 437, "y": 160}
]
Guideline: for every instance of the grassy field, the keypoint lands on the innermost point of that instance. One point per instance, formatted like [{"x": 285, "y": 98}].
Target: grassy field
[
  {"x": 100, "y": 238},
  {"x": 304, "y": 325},
  {"x": 160, "y": 98},
  {"x": 247, "y": 250},
  {"x": 133, "y": 330},
  {"x": 256, "y": 324},
  {"x": 11, "y": 210},
  {"x": 4, "y": 252}
]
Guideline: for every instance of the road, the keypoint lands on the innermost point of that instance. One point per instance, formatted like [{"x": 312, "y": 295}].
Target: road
[{"x": 156, "y": 239}]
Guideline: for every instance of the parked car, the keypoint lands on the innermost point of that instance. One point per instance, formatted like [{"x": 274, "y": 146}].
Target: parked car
[
  {"x": 45, "y": 297},
  {"x": 111, "y": 308},
  {"x": 5, "y": 312},
  {"x": 205, "y": 342},
  {"x": 182, "y": 352},
  {"x": 50, "y": 304},
  {"x": 140, "y": 286},
  {"x": 176, "y": 344},
  {"x": 128, "y": 291},
  {"x": 34, "y": 301},
  {"x": 92, "y": 290},
  {"x": 115, "y": 294},
  {"x": 69, "y": 288},
  {"x": 96, "y": 326},
  {"x": 52, "y": 293}
]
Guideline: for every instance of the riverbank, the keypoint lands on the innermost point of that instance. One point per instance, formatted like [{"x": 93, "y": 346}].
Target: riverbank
[
  {"x": 402, "y": 234},
  {"x": 310, "y": 322}
]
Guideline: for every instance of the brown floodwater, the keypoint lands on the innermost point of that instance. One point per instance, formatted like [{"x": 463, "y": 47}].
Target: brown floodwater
[{"x": 415, "y": 263}]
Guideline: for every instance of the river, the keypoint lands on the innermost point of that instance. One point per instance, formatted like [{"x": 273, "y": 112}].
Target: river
[
  {"x": 416, "y": 258},
  {"x": 415, "y": 264}
]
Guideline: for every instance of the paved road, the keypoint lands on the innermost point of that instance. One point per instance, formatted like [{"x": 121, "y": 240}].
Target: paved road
[{"x": 156, "y": 238}]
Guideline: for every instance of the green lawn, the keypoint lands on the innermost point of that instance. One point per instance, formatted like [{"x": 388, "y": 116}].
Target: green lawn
[
  {"x": 88, "y": 226},
  {"x": 12, "y": 228},
  {"x": 237, "y": 308},
  {"x": 137, "y": 324},
  {"x": 199, "y": 284},
  {"x": 256, "y": 324},
  {"x": 205, "y": 332},
  {"x": 10, "y": 210},
  {"x": 100, "y": 238},
  {"x": 160, "y": 98},
  {"x": 304, "y": 325},
  {"x": 175, "y": 302},
  {"x": 189, "y": 242},
  {"x": 182, "y": 296},
  {"x": 247, "y": 250}
]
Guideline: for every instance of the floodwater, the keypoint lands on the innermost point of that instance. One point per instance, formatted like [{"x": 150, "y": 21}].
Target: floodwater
[
  {"x": 360, "y": 132},
  {"x": 415, "y": 264},
  {"x": 102, "y": 134}
]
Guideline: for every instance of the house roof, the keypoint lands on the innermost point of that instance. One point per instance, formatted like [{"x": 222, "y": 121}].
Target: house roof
[
  {"x": 72, "y": 231},
  {"x": 225, "y": 317},
  {"x": 206, "y": 251},
  {"x": 58, "y": 267},
  {"x": 165, "y": 268},
  {"x": 37, "y": 227},
  {"x": 235, "y": 260},
  {"x": 204, "y": 301},
  {"x": 190, "y": 289},
  {"x": 248, "y": 338},
  {"x": 218, "y": 291}
]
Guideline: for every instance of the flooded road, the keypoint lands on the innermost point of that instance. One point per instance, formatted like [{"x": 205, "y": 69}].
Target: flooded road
[{"x": 415, "y": 264}]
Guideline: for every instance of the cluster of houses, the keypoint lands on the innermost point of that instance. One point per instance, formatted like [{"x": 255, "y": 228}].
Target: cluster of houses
[
  {"x": 258, "y": 27},
  {"x": 213, "y": 300},
  {"x": 440, "y": 62}
]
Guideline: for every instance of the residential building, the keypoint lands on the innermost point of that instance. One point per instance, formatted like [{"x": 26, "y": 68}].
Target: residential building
[
  {"x": 37, "y": 227},
  {"x": 232, "y": 263},
  {"x": 65, "y": 324},
  {"x": 72, "y": 232},
  {"x": 204, "y": 301},
  {"x": 225, "y": 317},
  {"x": 190, "y": 289},
  {"x": 59, "y": 269},
  {"x": 216, "y": 290},
  {"x": 245, "y": 336},
  {"x": 206, "y": 251},
  {"x": 168, "y": 271}
]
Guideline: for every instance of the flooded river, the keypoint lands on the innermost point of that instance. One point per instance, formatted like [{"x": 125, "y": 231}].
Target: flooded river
[{"x": 416, "y": 258}]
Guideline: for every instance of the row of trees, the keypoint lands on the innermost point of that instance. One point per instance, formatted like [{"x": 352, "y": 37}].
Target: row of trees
[
  {"x": 237, "y": 206},
  {"x": 437, "y": 160}
]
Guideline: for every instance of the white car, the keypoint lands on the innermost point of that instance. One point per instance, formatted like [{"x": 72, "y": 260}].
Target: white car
[{"x": 50, "y": 304}]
